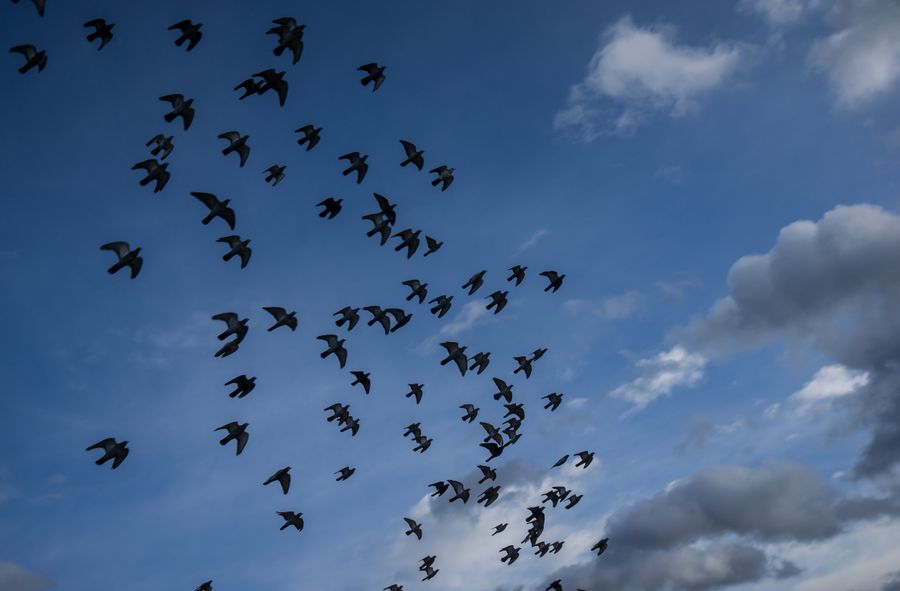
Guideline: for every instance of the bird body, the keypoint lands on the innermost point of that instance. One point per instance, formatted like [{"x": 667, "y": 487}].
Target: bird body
[
  {"x": 34, "y": 58},
  {"x": 113, "y": 450},
  {"x": 127, "y": 257},
  {"x": 237, "y": 432},
  {"x": 181, "y": 107}
]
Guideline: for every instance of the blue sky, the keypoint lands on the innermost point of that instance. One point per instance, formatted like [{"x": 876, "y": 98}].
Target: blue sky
[{"x": 644, "y": 150}]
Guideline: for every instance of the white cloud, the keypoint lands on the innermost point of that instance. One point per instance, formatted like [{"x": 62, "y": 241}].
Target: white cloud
[
  {"x": 532, "y": 240},
  {"x": 618, "y": 307},
  {"x": 831, "y": 381},
  {"x": 662, "y": 373},
  {"x": 470, "y": 314},
  {"x": 643, "y": 69}
]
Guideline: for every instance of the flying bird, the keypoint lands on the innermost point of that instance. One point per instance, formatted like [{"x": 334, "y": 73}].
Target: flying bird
[
  {"x": 335, "y": 347},
  {"x": 310, "y": 137},
  {"x": 487, "y": 473},
  {"x": 102, "y": 31},
  {"x": 413, "y": 155},
  {"x": 112, "y": 450},
  {"x": 190, "y": 32},
  {"x": 456, "y": 354},
  {"x": 500, "y": 527},
  {"x": 518, "y": 274},
  {"x": 345, "y": 473},
  {"x": 504, "y": 390},
  {"x": 401, "y": 318},
  {"x": 282, "y": 318},
  {"x": 283, "y": 477},
  {"x": 273, "y": 80},
  {"x": 489, "y": 495},
  {"x": 481, "y": 361},
  {"x": 250, "y": 87},
  {"x": 237, "y": 247},
  {"x": 388, "y": 209},
  {"x": 237, "y": 327},
  {"x": 601, "y": 546},
  {"x": 236, "y": 431},
  {"x": 555, "y": 547},
  {"x": 216, "y": 208},
  {"x": 181, "y": 107},
  {"x": 275, "y": 174},
  {"x": 33, "y": 57},
  {"x": 228, "y": 348},
  {"x": 429, "y": 572},
  {"x": 471, "y": 412},
  {"x": 560, "y": 461},
  {"x": 537, "y": 354},
  {"x": 555, "y": 280},
  {"x": 361, "y": 378},
  {"x": 340, "y": 412},
  {"x": 242, "y": 386},
  {"x": 374, "y": 73},
  {"x": 409, "y": 239},
  {"x": 415, "y": 390},
  {"x": 511, "y": 554},
  {"x": 418, "y": 290},
  {"x": 584, "y": 459},
  {"x": 498, "y": 301},
  {"x": 573, "y": 500},
  {"x": 495, "y": 450},
  {"x": 414, "y": 528},
  {"x": 433, "y": 245},
  {"x": 444, "y": 175},
  {"x": 290, "y": 36},
  {"x": 515, "y": 410},
  {"x": 439, "y": 488},
  {"x": 554, "y": 586},
  {"x": 352, "y": 425},
  {"x": 236, "y": 143},
  {"x": 474, "y": 282},
  {"x": 554, "y": 400},
  {"x": 331, "y": 206},
  {"x": 348, "y": 315},
  {"x": 163, "y": 146},
  {"x": 524, "y": 365},
  {"x": 379, "y": 316},
  {"x": 291, "y": 518},
  {"x": 459, "y": 491},
  {"x": 357, "y": 163},
  {"x": 380, "y": 225},
  {"x": 127, "y": 257},
  {"x": 155, "y": 172},
  {"x": 442, "y": 305}
]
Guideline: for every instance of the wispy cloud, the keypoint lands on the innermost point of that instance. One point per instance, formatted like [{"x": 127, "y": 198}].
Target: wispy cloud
[
  {"x": 534, "y": 239},
  {"x": 617, "y": 307},
  {"x": 660, "y": 375}
]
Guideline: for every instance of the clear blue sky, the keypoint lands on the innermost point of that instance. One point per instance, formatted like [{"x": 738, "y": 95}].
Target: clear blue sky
[{"x": 642, "y": 149}]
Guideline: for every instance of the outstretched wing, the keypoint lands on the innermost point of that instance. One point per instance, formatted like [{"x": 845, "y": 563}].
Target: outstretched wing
[
  {"x": 208, "y": 199},
  {"x": 120, "y": 248}
]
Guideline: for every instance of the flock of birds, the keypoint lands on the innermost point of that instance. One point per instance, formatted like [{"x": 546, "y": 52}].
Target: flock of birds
[{"x": 496, "y": 439}]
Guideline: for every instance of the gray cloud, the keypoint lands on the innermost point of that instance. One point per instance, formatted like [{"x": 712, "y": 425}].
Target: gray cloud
[{"x": 16, "y": 578}]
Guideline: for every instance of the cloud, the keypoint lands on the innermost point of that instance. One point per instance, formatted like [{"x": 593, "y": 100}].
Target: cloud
[
  {"x": 15, "y": 578},
  {"x": 831, "y": 381},
  {"x": 467, "y": 318},
  {"x": 777, "y": 12},
  {"x": 642, "y": 69},
  {"x": 532, "y": 240},
  {"x": 675, "y": 288},
  {"x": 701, "y": 429},
  {"x": 662, "y": 373},
  {"x": 617, "y": 307}
]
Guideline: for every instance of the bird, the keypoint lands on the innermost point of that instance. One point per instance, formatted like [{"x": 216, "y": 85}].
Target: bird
[
  {"x": 573, "y": 500},
  {"x": 494, "y": 449},
  {"x": 560, "y": 461},
  {"x": 401, "y": 318},
  {"x": 537, "y": 354},
  {"x": 388, "y": 209},
  {"x": 542, "y": 549},
  {"x": 282, "y": 318},
  {"x": 216, "y": 208},
  {"x": 409, "y": 239},
  {"x": 250, "y": 87},
  {"x": 415, "y": 390},
  {"x": 440, "y": 488},
  {"x": 102, "y": 31},
  {"x": 39, "y": 4},
  {"x": 459, "y": 491},
  {"x": 283, "y": 477},
  {"x": 361, "y": 378},
  {"x": 426, "y": 562},
  {"x": 228, "y": 348},
  {"x": 236, "y": 431},
  {"x": 127, "y": 257},
  {"x": 207, "y": 586},
  {"x": 164, "y": 146},
  {"x": 331, "y": 206},
  {"x": 414, "y": 528},
  {"x": 474, "y": 282},
  {"x": 553, "y": 399},
  {"x": 554, "y": 586},
  {"x": 155, "y": 172},
  {"x": 237, "y": 247},
  {"x": 515, "y": 410},
  {"x": 273, "y": 80},
  {"x": 535, "y": 515},
  {"x": 181, "y": 107},
  {"x": 275, "y": 174},
  {"x": 489, "y": 495},
  {"x": 518, "y": 274},
  {"x": 236, "y": 326},
  {"x": 393, "y": 587},
  {"x": 429, "y": 572},
  {"x": 511, "y": 554},
  {"x": 457, "y": 354},
  {"x": 352, "y": 425},
  {"x": 551, "y": 496},
  {"x": 357, "y": 163},
  {"x": 417, "y": 290},
  {"x": 423, "y": 444},
  {"x": 290, "y": 36},
  {"x": 189, "y": 32},
  {"x": 555, "y": 280},
  {"x": 413, "y": 155},
  {"x": 348, "y": 315},
  {"x": 499, "y": 528},
  {"x": 433, "y": 245},
  {"x": 444, "y": 175},
  {"x": 335, "y": 347},
  {"x": 584, "y": 459},
  {"x": 555, "y": 547},
  {"x": 524, "y": 365},
  {"x": 113, "y": 450},
  {"x": 345, "y": 473},
  {"x": 340, "y": 412},
  {"x": 291, "y": 518},
  {"x": 379, "y": 316},
  {"x": 380, "y": 225},
  {"x": 471, "y": 412},
  {"x": 498, "y": 301},
  {"x": 442, "y": 305},
  {"x": 242, "y": 386},
  {"x": 492, "y": 433},
  {"x": 487, "y": 473},
  {"x": 413, "y": 429},
  {"x": 504, "y": 390},
  {"x": 236, "y": 143},
  {"x": 34, "y": 58},
  {"x": 310, "y": 137},
  {"x": 374, "y": 73},
  {"x": 481, "y": 361},
  {"x": 599, "y": 547}
]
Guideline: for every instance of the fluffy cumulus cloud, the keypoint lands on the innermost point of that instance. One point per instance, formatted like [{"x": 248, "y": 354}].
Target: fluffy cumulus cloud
[
  {"x": 830, "y": 382},
  {"x": 641, "y": 69},
  {"x": 16, "y": 578},
  {"x": 660, "y": 374}
]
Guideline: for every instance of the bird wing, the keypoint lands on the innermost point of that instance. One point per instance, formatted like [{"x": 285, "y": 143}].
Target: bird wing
[
  {"x": 232, "y": 241},
  {"x": 181, "y": 25},
  {"x": 462, "y": 362},
  {"x": 28, "y": 51},
  {"x": 106, "y": 444},
  {"x": 331, "y": 339},
  {"x": 450, "y": 346},
  {"x": 229, "y": 427},
  {"x": 148, "y": 165},
  {"x": 97, "y": 23},
  {"x": 349, "y": 156},
  {"x": 500, "y": 384},
  {"x": 342, "y": 356},
  {"x": 306, "y": 129},
  {"x": 175, "y": 99},
  {"x": 120, "y": 248},
  {"x": 432, "y": 243},
  {"x": 552, "y": 276},
  {"x": 227, "y": 214},
  {"x": 277, "y": 312},
  {"x": 242, "y": 442},
  {"x": 409, "y": 148},
  {"x": 285, "y": 481},
  {"x": 120, "y": 457},
  {"x": 440, "y": 169},
  {"x": 208, "y": 199},
  {"x": 383, "y": 203},
  {"x": 458, "y": 486},
  {"x": 231, "y": 136},
  {"x": 368, "y": 68}
]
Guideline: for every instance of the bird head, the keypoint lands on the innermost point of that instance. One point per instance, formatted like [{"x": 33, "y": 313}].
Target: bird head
[{"x": 123, "y": 444}]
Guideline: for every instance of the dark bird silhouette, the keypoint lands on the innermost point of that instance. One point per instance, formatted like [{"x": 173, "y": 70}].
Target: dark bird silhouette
[
  {"x": 393, "y": 587},
  {"x": 236, "y": 143},
  {"x": 487, "y": 473},
  {"x": 560, "y": 461},
  {"x": 414, "y": 528},
  {"x": 290, "y": 36},
  {"x": 584, "y": 459},
  {"x": 554, "y": 400},
  {"x": 495, "y": 450},
  {"x": 112, "y": 450},
  {"x": 459, "y": 491},
  {"x": 388, "y": 209},
  {"x": 511, "y": 554},
  {"x": 283, "y": 477},
  {"x": 237, "y": 247},
  {"x": 250, "y": 87},
  {"x": 236, "y": 327},
  {"x": 442, "y": 305},
  {"x": 190, "y": 32},
  {"x": 33, "y": 57},
  {"x": 228, "y": 348},
  {"x": 340, "y": 412},
  {"x": 542, "y": 549},
  {"x": 481, "y": 361},
  {"x": 474, "y": 282},
  {"x": 216, "y": 208},
  {"x": 181, "y": 107},
  {"x": 163, "y": 147},
  {"x": 414, "y": 429},
  {"x": 242, "y": 386},
  {"x": 492, "y": 433},
  {"x": 335, "y": 347},
  {"x": 39, "y": 4},
  {"x": 418, "y": 290},
  {"x": 504, "y": 390},
  {"x": 345, "y": 473},
  {"x": 380, "y": 225},
  {"x": 413, "y": 155},
  {"x": 415, "y": 390},
  {"x": 456, "y": 354},
  {"x": 439, "y": 488},
  {"x": 537, "y": 354},
  {"x": 155, "y": 172},
  {"x": 238, "y": 432},
  {"x": 102, "y": 31},
  {"x": 518, "y": 273},
  {"x": 409, "y": 239},
  {"x": 401, "y": 318},
  {"x": 515, "y": 410},
  {"x": 433, "y": 245},
  {"x": 535, "y": 515},
  {"x": 331, "y": 206},
  {"x": 374, "y": 73},
  {"x": 498, "y": 301},
  {"x": 291, "y": 518},
  {"x": 429, "y": 572},
  {"x": 357, "y": 163},
  {"x": 127, "y": 257},
  {"x": 551, "y": 496},
  {"x": 489, "y": 495},
  {"x": 426, "y": 562},
  {"x": 600, "y": 547},
  {"x": 352, "y": 425},
  {"x": 555, "y": 279},
  {"x": 573, "y": 500},
  {"x": 379, "y": 316},
  {"x": 423, "y": 444},
  {"x": 554, "y": 586},
  {"x": 310, "y": 137},
  {"x": 275, "y": 174},
  {"x": 524, "y": 365},
  {"x": 348, "y": 315},
  {"x": 273, "y": 80},
  {"x": 361, "y": 378},
  {"x": 207, "y": 586},
  {"x": 282, "y": 318},
  {"x": 471, "y": 412},
  {"x": 444, "y": 175},
  {"x": 555, "y": 547},
  {"x": 499, "y": 528}
]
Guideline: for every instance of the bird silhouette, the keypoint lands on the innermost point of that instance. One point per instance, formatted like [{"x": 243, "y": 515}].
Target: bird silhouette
[
  {"x": 440, "y": 488},
  {"x": 357, "y": 163},
  {"x": 433, "y": 245},
  {"x": 331, "y": 206},
  {"x": 518, "y": 274},
  {"x": 511, "y": 553},
  {"x": 415, "y": 390},
  {"x": 283, "y": 477},
  {"x": 237, "y": 247},
  {"x": 238, "y": 432},
  {"x": 113, "y": 450},
  {"x": 236, "y": 143},
  {"x": 102, "y": 31},
  {"x": 481, "y": 361},
  {"x": 414, "y": 528},
  {"x": 601, "y": 546},
  {"x": 348, "y": 315},
  {"x": 216, "y": 208},
  {"x": 474, "y": 282},
  {"x": 584, "y": 459},
  {"x": 504, "y": 390},
  {"x": 155, "y": 172},
  {"x": 560, "y": 461},
  {"x": 242, "y": 386},
  {"x": 236, "y": 326},
  {"x": 380, "y": 225},
  {"x": 162, "y": 146},
  {"x": 417, "y": 290},
  {"x": 487, "y": 473},
  {"x": 401, "y": 318},
  {"x": 471, "y": 412},
  {"x": 524, "y": 366},
  {"x": 361, "y": 378},
  {"x": 190, "y": 32},
  {"x": 388, "y": 209},
  {"x": 310, "y": 137},
  {"x": 374, "y": 73},
  {"x": 379, "y": 316},
  {"x": 335, "y": 347},
  {"x": 555, "y": 280},
  {"x": 444, "y": 175},
  {"x": 282, "y": 318},
  {"x": 573, "y": 500},
  {"x": 413, "y": 155},
  {"x": 459, "y": 491},
  {"x": 409, "y": 239},
  {"x": 290, "y": 36},
  {"x": 457, "y": 354},
  {"x": 250, "y": 87},
  {"x": 181, "y": 107},
  {"x": 553, "y": 400},
  {"x": 34, "y": 58},
  {"x": 489, "y": 496},
  {"x": 442, "y": 305},
  {"x": 499, "y": 528},
  {"x": 275, "y": 174},
  {"x": 498, "y": 301},
  {"x": 127, "y": 257},
  {"x": 291, "y": 518},
  {"x": 345, "y": 473},
  {"x": 273, "y": 80}
]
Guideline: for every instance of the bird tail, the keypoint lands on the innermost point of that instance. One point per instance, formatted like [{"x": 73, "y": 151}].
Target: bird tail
[
  {"x": 170, "y": 117},
  {"x": 435, "y": 182}
]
